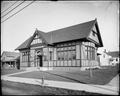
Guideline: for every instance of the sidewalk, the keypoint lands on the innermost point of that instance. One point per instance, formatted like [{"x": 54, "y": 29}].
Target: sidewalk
[
  {"x": 102, "y": 89},
  {"x": 114, "y": 81}
]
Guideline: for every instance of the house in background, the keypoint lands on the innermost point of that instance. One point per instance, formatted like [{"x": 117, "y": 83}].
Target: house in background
[
  {"x": 104, "y": 59},
  {"x": 10, "y": 59},
  {"x": 73, "y": 47},
  {"x": 98, "y": 58},
  {"x": 109, "y": 58},
  {"x": 114, "y": 57}
]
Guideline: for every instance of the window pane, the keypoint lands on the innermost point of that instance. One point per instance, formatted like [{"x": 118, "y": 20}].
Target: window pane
[
  {"x": 69, "y": 48},
  {"x": 73, "y": 55},
  {"x": 58, "y": 56},
  {"x": 88, "y": 53},
  {"x": 61, "y": 49},
  {"x": 65, "y": 48},
  {"x": 69, "y": 55},
  {"x": 65, "y": 56},
  {"x": 93, "y": 54},
  {"x": 62, "y": 55}
]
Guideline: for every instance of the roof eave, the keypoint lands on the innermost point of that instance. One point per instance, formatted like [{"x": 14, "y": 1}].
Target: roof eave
[{"x": 98, "y": 44}]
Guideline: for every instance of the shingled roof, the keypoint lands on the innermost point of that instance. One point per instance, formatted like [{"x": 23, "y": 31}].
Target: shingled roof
[
  {"x": 79, "y": 31},
  {"x": 24, "y": 44},
  {"x": 13, "y": 55}
]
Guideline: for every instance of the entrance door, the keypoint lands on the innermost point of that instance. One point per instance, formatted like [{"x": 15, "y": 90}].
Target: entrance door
[
  {"x": 39, "y": 57},
  {"x": 40, "y": 61}
]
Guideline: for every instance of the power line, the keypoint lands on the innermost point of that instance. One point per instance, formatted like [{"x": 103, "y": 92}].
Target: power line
[
  {"x": 18, "y": 11},
  {"x": 12, "y": 9},
  {"x": 9, "y": 7}
]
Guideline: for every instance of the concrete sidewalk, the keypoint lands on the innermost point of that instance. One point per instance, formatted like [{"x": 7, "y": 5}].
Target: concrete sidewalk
[
  {"x": 102, "y": 89},
  {"x": 114, "y": 81}
]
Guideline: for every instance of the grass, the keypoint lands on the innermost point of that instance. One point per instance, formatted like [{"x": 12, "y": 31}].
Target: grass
[
  {"x": 29, "y": 89},
  {"x": 100, "y": 76},
  {"x": 9, "y": 71}
]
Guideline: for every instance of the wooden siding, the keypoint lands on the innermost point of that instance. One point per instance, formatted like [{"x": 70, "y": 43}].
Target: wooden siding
[
  {"x": 95, "y": 38},
  {"x": 80, "y": 61}
]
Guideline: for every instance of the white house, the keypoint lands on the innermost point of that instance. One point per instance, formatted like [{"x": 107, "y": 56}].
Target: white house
[
  {"x": 114, "y": 57},
  {"x": 109, "y": 58}
]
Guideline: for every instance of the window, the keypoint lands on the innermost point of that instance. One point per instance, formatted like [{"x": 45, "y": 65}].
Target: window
[
  {"x": 73, "y": 47},
  {"x": 69, "y": 55},
  {"x": 73, "y": 55},
  {"x": 51, "y": 55},
  {"x": 45, "y": 58},
  {"x": 25, "y": 56},
  {"x": 62, "y": 55},
  {"x": 85, "y": 53},
  {"x": 65, "y": 56},
  {"x": 73, "y": 43},
  {"x": 93, "y": 53},
  {"x": 59, "y": 53},
  {"x": 61, "y": 49},
  {"x": 69, "y": 48},
  {"x": 66, "y": 53},
  {"x": 89, "y": 53}
]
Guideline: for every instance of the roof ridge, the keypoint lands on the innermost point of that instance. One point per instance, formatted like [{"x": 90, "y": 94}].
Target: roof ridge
[{"x": 72, "y": 26}]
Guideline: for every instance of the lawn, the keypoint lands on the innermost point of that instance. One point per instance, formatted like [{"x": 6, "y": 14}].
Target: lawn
[
  {"x": 13, "y": 88},
  {"x": 100, "y": 76},
  {"x": 9, "y": 71}
]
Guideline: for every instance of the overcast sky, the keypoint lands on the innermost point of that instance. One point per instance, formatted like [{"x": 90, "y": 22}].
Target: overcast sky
[{"x": 48, "y": 16}]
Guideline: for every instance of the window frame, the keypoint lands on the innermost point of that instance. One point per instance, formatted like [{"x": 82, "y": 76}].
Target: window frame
[{"x": 90, "y": 52}]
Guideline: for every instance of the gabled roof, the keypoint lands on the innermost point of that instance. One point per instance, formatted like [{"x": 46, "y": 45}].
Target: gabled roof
[
  {"x": 114, "y": 53},
  {"x": 13, "y": 55},
  {"x": 24, "y": 44},
  {"x": 79, "y": 31},
  {"x": 71, "y": 33}
]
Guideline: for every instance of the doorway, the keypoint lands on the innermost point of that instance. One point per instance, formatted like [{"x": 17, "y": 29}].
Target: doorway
[{"x": 40, "y": 61}]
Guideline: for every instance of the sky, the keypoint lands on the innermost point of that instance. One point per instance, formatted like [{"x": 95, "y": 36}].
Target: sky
[{"x": 47, "y": 16}]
